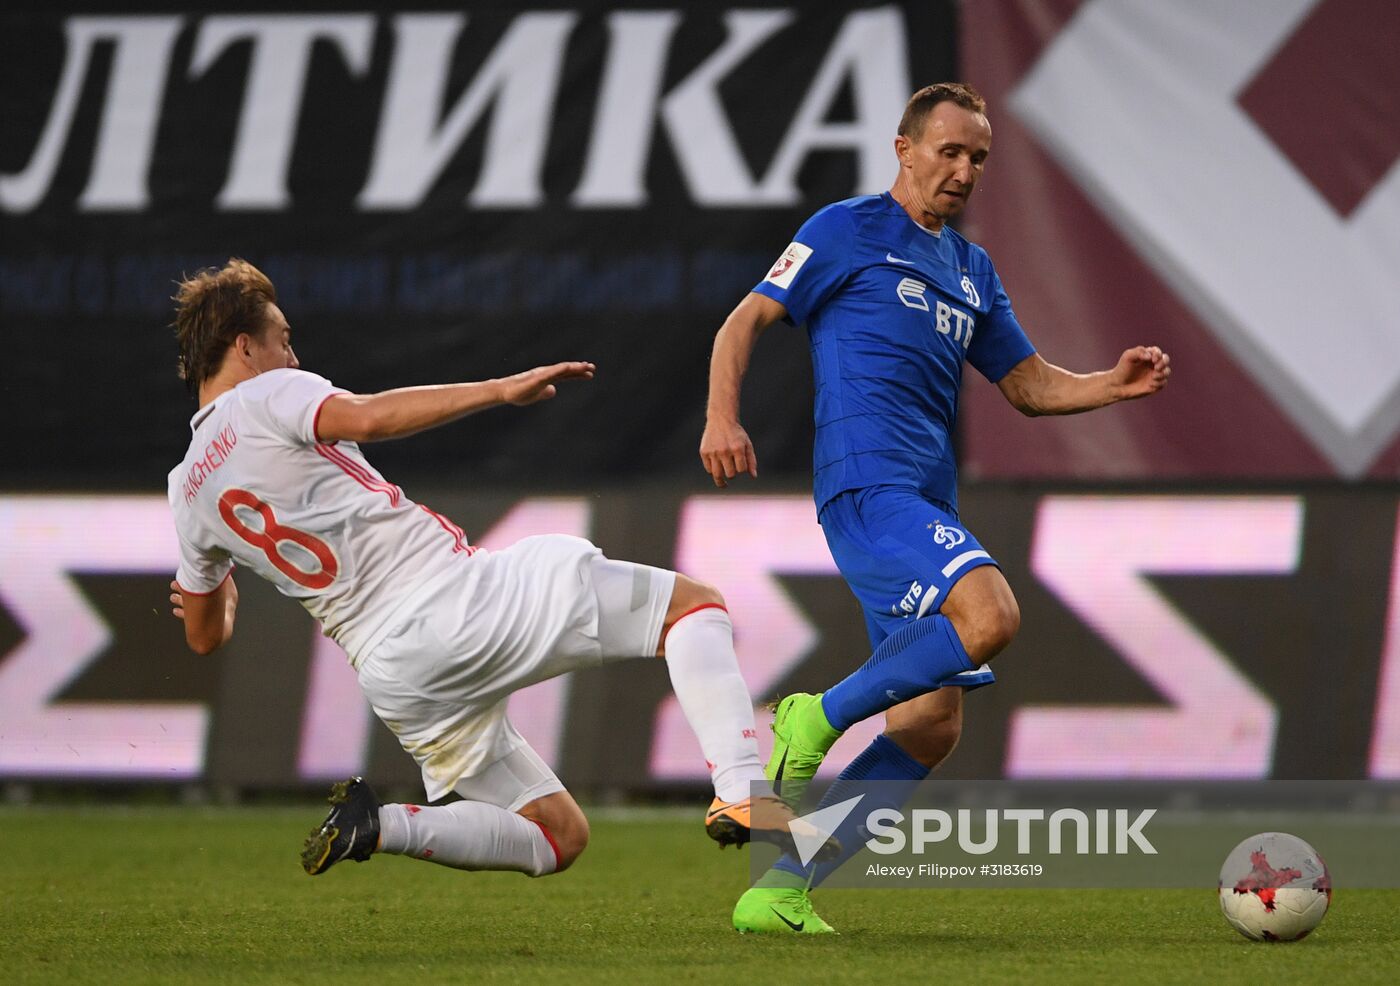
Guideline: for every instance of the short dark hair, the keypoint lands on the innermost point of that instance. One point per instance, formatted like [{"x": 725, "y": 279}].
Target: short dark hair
[
  {"x": 212, "y": 308},
  {"x": 921, "y": 104}
]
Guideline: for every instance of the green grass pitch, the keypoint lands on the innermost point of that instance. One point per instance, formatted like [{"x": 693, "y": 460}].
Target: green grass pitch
[{"x": 216, "y": 895}]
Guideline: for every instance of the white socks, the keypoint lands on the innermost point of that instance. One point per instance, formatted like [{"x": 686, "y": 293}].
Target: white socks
[
  {"x": 714, "y": 698},
  {"x": 467, "y": 835},
  {"x": 473, "y": 835}
]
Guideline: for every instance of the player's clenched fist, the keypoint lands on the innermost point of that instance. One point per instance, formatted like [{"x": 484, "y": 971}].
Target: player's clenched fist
[
  {"x": 1141, "y": 370},
  {"x": 227, "y": 591},
  {"x": 726, "y": 451}
]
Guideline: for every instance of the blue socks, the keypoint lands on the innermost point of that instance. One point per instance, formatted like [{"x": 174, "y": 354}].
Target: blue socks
[
  {"x": 882, "y": 760},
  {"x": 913, "y": 661},
  {"x": 910, "y": 662}
]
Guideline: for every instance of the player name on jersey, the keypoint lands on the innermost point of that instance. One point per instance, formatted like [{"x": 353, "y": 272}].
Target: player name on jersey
[{"x": 216, "y": 453}]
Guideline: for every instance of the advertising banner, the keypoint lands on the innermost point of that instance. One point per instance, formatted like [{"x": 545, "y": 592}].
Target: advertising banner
[
  {"x": 445, "y": 192},
  {"x": 1155, "y": 177},
  {"x": 1221, "y": 636}
]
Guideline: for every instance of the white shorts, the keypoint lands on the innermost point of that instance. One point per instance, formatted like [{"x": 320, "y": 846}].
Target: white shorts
[{"x": 439, "y": 679}]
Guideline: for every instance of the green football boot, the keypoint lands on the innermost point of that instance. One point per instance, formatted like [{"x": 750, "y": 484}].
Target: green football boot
[
  {"x": 801, "y": 737},
  {"x": 778, "y": 910}
]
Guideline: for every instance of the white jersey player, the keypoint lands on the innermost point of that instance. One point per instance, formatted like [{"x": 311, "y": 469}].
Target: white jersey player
[{"x": 439, "y": 632}]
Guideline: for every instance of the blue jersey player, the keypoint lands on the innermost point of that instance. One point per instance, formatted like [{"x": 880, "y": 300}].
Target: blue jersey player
[{"x": 894, "y": 303}]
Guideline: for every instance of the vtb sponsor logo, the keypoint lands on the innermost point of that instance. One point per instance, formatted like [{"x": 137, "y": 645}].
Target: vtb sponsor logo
[
  {"x": 910, "y": 601},
  {"x": 949, "y": 321}
]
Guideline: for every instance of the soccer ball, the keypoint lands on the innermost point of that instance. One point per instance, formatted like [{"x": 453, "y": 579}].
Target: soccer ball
[{"x": 1274, "y": 887}]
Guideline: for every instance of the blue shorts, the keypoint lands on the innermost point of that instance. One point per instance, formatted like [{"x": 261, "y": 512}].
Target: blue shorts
[{"x": 901, "y": 554}]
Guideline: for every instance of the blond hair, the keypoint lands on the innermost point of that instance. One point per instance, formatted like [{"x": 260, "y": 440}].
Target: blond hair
[{"x": 212, "y": 308}]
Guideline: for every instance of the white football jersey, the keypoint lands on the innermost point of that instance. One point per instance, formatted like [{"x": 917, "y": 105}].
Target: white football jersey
[{"x": 259, "y": 489}]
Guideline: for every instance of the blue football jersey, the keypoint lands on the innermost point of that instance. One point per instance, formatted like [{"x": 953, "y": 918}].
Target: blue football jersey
[{"x": 892, "y": 310}]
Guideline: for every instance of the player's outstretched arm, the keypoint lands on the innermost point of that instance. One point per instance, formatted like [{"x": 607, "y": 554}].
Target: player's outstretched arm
[
  {"x": 1036, "y": 387},
  {"x": 396, "y": 413},
  {"x": 725, "y": 448},
  {"x": 208, "y": 619}
]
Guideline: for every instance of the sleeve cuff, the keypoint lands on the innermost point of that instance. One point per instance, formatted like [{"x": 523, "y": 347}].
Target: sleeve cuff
[
  {"x": 769, "y": 291},
  {"x": 316, "y": 416},
  {"x": 191, "y": 592}
]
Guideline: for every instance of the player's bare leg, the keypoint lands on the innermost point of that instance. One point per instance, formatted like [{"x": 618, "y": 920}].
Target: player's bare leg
[
  {"x": 698, "y": 644},
  {"x": 563, "y": 823},
  {"x": 983, "y": 609},
  {"x": 928, "y": 727}
]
